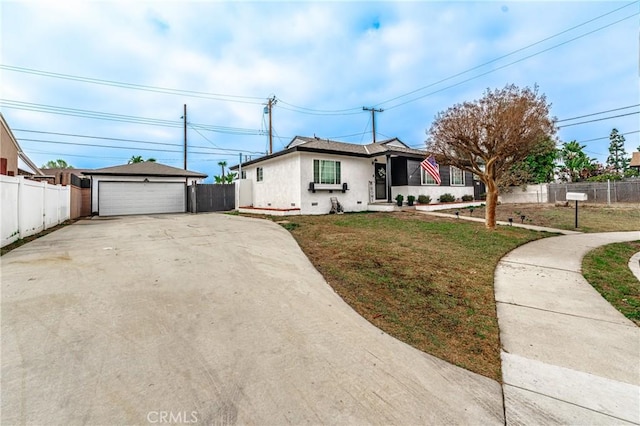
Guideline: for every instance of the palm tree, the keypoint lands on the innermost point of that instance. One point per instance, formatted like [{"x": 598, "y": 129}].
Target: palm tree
[
  {"x": 139, "y": 159},
  {"x": 222, "y": 164},
  {"x": 230, "y": 177}
]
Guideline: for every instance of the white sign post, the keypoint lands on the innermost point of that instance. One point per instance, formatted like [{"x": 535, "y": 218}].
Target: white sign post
[{"x": 577, "y": 196}]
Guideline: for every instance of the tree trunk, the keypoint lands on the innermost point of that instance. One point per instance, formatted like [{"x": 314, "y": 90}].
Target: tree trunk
[{"x": 492, "y": 202}]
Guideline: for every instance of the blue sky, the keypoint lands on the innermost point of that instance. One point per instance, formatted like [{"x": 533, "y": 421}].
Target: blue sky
[{"x": 323, "y": 61}]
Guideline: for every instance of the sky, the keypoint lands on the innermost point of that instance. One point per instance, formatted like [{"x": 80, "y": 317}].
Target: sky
[{"x": 95, "y": 83}]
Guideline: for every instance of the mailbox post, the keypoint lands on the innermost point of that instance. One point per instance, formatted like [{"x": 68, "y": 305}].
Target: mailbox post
[{"x": 577, "y": 196}]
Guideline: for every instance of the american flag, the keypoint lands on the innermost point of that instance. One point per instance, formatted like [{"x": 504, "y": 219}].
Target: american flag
[{"x": 430, "y": 166}]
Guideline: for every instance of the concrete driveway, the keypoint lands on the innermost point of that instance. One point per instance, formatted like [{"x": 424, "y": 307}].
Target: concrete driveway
[{"x": 205, "y": 319}]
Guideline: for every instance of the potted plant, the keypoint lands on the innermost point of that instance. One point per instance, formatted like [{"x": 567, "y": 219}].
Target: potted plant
[
  {"x": 399, "y": 199},
  {"x": 410, "y": 200}
]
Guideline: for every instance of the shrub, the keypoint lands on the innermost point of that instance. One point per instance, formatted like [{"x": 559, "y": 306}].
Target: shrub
[
  {"x": 424, "y": 199},
  {"x": 447, "y": 198},
  {"x": 399, "y": 199},
  {"x": 410, "y": 200},
  {"x": 467, "y": 198}
]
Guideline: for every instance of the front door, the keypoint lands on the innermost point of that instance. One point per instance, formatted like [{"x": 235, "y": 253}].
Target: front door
[{"x": 380, "y": 171}]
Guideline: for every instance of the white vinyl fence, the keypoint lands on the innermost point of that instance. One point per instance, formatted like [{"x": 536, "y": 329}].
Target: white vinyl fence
[{"x": 28, "y": 207}]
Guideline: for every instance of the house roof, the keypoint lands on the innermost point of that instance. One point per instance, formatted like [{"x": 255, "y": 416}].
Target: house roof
[
  {"x": 392, "y": 146},
  {"x": 73, "y": 171},
  {"x": 145, "y": 168},
  {"x": 635, "y": 160}
]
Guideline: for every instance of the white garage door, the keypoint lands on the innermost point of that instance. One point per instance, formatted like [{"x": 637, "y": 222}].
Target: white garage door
[{"x": 124, "y": 198}]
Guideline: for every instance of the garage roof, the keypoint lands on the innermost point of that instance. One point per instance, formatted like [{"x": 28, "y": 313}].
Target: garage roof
[{"x": 145, "y": 168}]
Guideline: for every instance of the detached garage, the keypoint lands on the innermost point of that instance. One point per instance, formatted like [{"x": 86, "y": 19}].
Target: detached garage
[{"x": 140, "y": 188}]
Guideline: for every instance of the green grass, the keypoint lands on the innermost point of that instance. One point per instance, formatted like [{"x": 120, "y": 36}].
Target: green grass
[
  {"x": 427, "y": 281},
  {"x": 606, "y": 268}
]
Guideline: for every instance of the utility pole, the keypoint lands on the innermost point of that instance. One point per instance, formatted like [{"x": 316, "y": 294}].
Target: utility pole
[
  {"x": 373, "y": 119},
  {"x": 184, "y": 116},
  {"x": 270, "y": 103}
]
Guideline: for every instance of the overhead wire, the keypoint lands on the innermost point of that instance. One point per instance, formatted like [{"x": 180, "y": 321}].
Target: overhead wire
[
  {"x": 164, "y": 90},
  {"x": 117, "y": 147},
  {"x": 599, "y": 119},
  {"x": 506, "y": 65},
  {"x": 306, "y": 110},
  {"x": 597, "y": 113},
  {"x": 83, "y": 113},
  {"x": 516, "y": 51}
]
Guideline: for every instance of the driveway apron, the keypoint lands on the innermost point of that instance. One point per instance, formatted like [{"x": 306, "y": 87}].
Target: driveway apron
[{"x": 205, "y": 319}]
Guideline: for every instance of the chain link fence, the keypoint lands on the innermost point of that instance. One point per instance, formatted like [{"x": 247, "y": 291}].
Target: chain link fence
[{"x": 598, "y": 192}]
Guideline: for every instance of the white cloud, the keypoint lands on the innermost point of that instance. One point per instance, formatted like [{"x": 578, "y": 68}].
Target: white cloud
[{"x": 324, "y": 55}]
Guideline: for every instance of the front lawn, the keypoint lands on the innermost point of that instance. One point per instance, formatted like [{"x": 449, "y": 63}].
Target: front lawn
[
  {"x": 425, "y": 280},
  {"x": 607, "y": 270}
]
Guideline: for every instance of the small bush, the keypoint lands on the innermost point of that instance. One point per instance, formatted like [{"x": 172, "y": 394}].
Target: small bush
[
  {"x": 424, "y": 199},
  {"x": 399, "y": 199},
  {"x": 410, "y": 200},
  {"x": 447, "y": 198},
  {"x": 467, "y": 198}
]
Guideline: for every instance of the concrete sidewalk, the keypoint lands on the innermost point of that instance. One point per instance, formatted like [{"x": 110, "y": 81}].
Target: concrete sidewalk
[
  {"x": 567, "y": 355},
  {"x": 502, "y": 223}
]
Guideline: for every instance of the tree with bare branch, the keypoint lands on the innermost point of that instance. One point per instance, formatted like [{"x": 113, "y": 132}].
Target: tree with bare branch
[{"x": 487, "y": 137}]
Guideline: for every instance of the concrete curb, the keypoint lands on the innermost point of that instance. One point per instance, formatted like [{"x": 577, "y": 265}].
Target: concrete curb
[{"x": 634, "y": 265}]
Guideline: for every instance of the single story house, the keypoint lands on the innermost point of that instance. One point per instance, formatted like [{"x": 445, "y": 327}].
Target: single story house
[
  {"x": 140, "y": 188},
  {"x": 302, "y": 178}
]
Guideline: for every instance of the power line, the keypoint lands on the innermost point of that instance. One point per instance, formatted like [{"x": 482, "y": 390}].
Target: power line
[
  {"x": 508, "y": 65},
  {"x": 599, "y": 119},
  {"x": 597, "y": 113},
  {"x": 156, "y": 89},
  {"x": 129, "y": 140},
  {"x": 607, "y": 137},
  {"x": 511, "y": 53},
  {"x": 50, "y": 109},
  {"x": 117, "y": 147},
  {"x": 217, "y": 147},
  {"x": 312, "y": 111}
]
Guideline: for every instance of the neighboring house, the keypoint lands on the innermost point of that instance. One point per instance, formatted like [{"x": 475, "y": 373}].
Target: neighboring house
[
  {"x": 13, "y": 161},
  {"x": 635, "y": 161},
  {"x": 303, "y": 177},
  {"x": 140, "y": 188},
  {"x": 64, "y": 176}
]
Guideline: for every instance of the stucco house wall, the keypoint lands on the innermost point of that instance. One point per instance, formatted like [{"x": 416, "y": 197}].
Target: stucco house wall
[
  {"x": 8, "y": 151},
  {"x": 354, "y": 171},
  {"x": 280, "y": 185}
]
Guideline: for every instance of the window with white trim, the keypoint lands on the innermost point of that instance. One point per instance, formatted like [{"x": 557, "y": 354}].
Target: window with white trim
[
  {"x": 427, "y": 179},
  {"x": 326, "y": 172},
  {"x": 259, "y": 174},
  {"x": 457, "y": 176}
]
